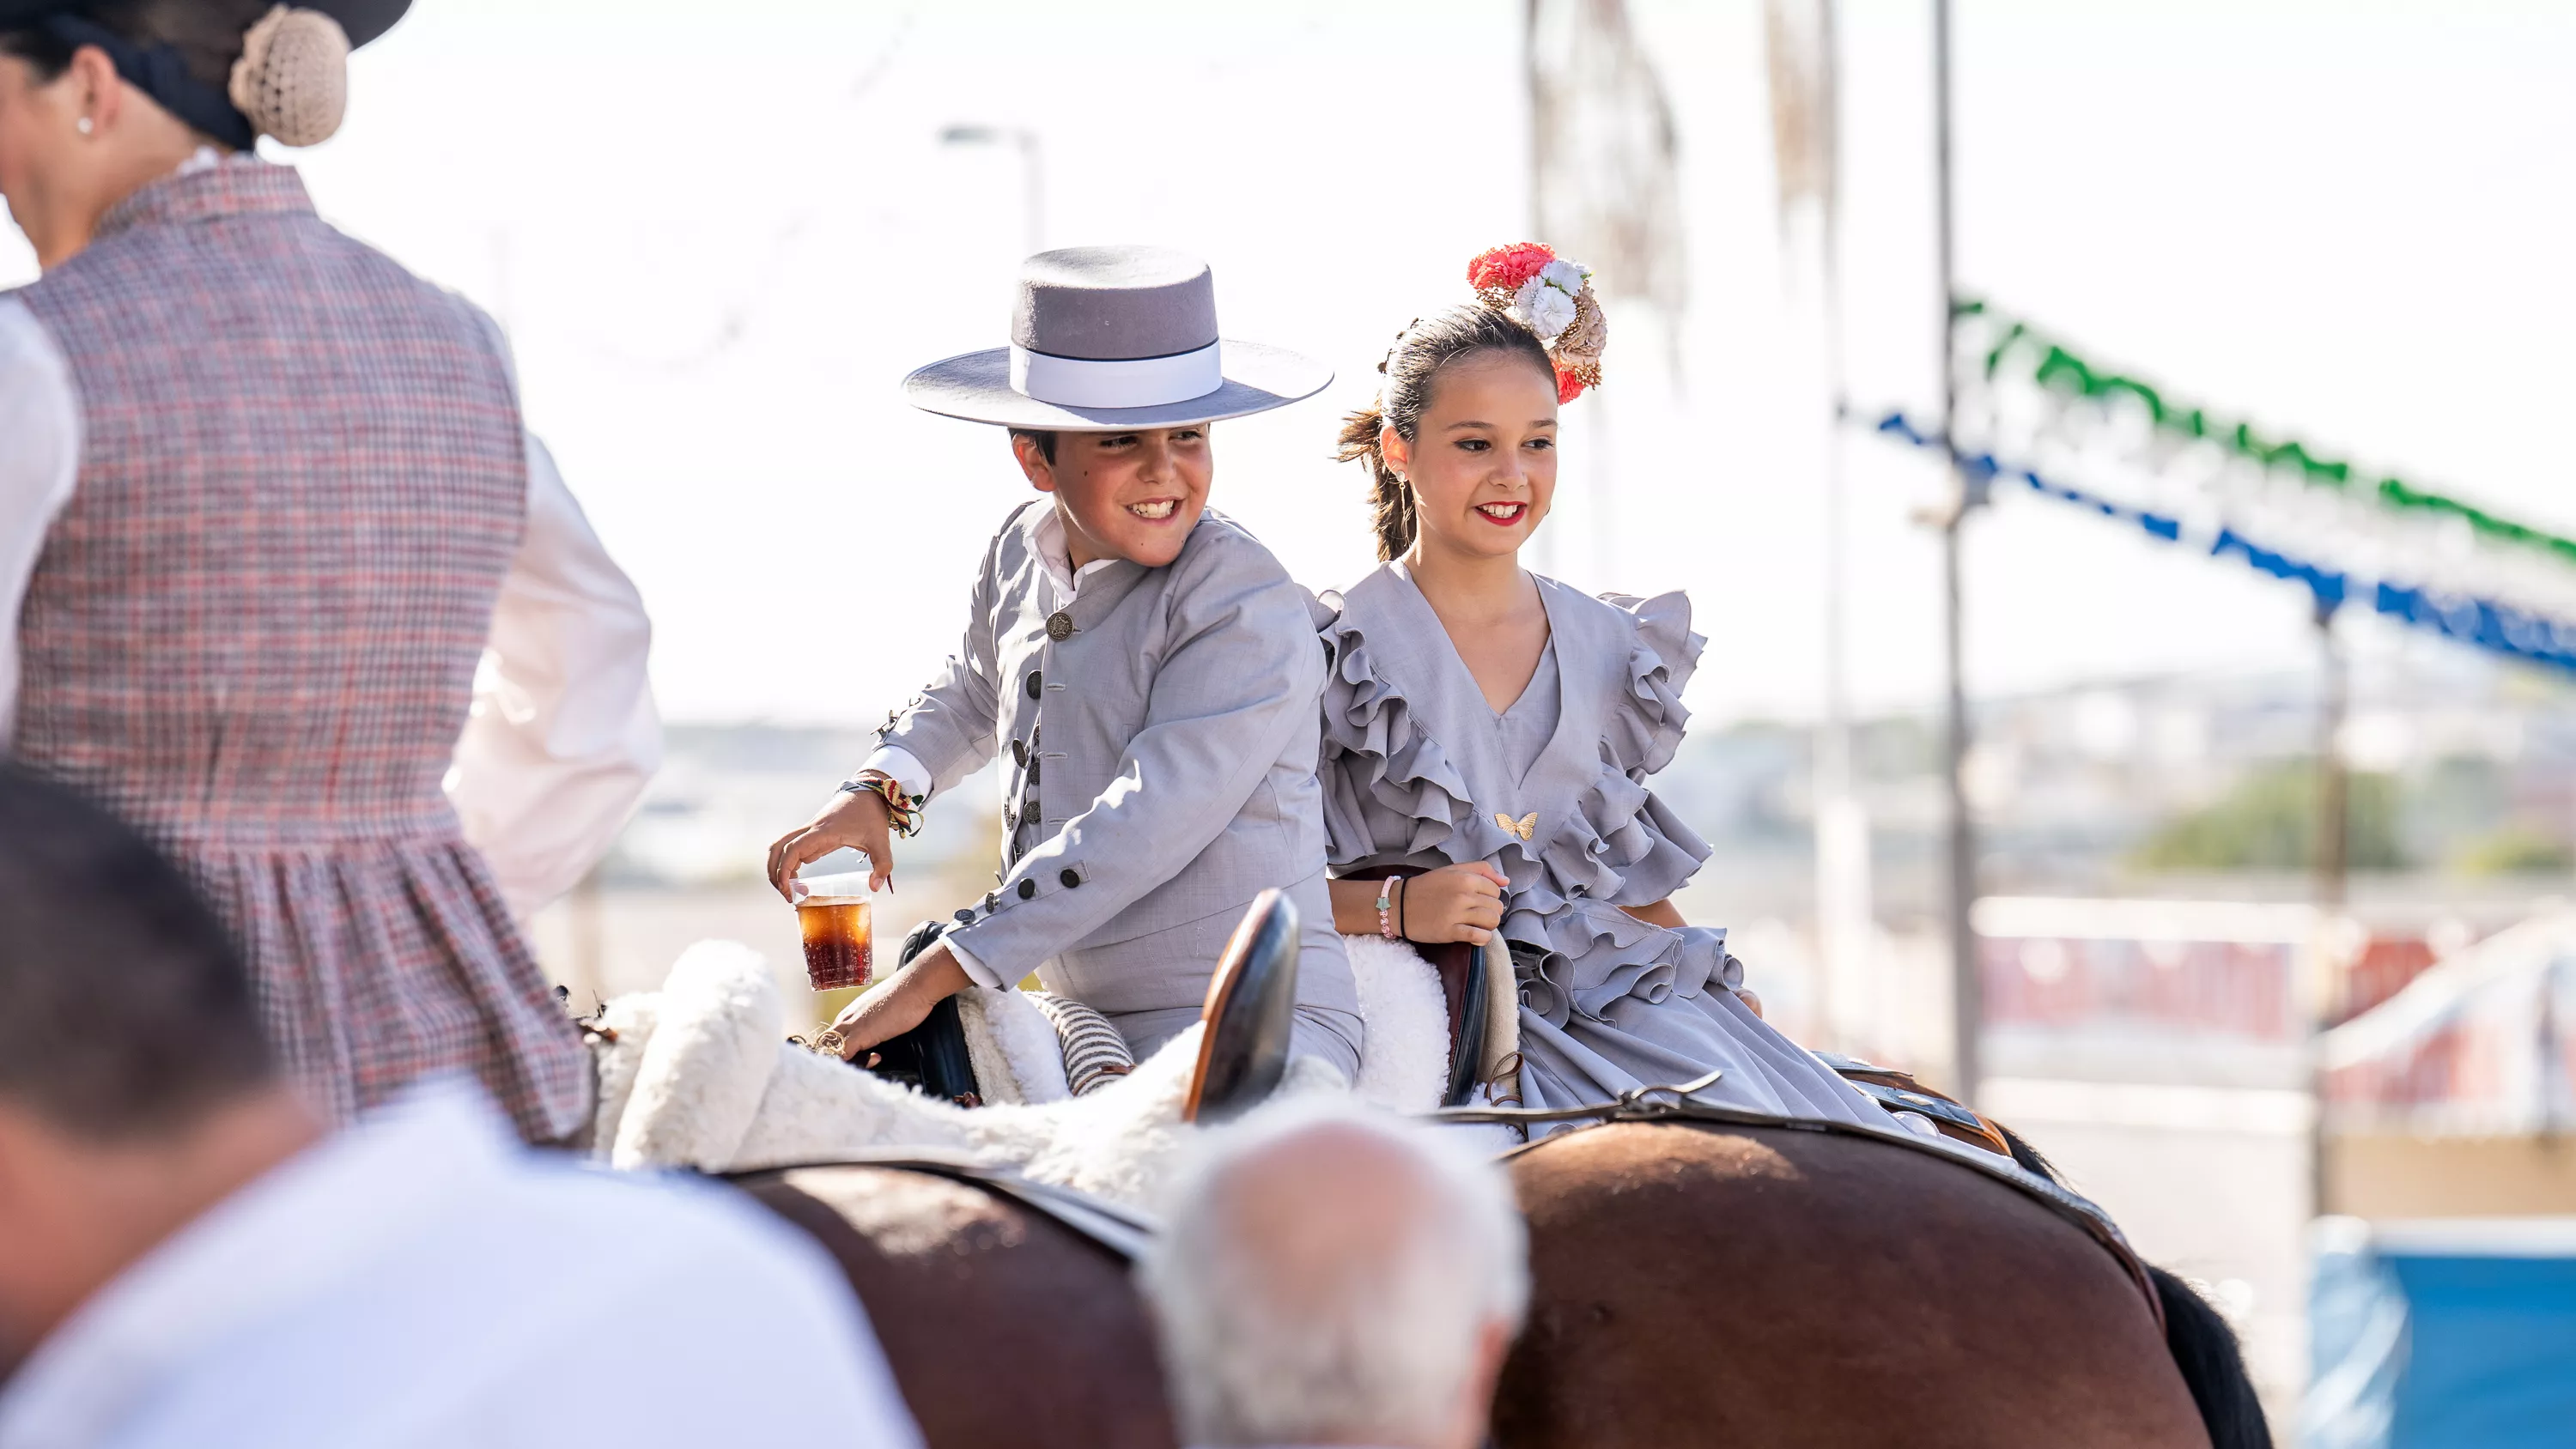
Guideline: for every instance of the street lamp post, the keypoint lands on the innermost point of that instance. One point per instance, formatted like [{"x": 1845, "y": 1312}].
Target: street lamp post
[
  {"x": 1967, "y": 1006},
  {"x": 1032, "y": 170}
]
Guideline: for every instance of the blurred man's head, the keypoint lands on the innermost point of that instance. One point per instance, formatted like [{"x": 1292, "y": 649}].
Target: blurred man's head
[
  {"x": 1331, "y": 1276},
  {"x": 135, "y": 1085},
  {"x": 1133, "y": 495}
]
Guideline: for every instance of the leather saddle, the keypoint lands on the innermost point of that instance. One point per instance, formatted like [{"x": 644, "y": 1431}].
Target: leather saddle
[
  {"x": 1250, "y": 1014},
  {"x": 1249, "y": 1017},
  {"x": 1462, "y": 969},
  {"x": 1900, "y": 1092}
]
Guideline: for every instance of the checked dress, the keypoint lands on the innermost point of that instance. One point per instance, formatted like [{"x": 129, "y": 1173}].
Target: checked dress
[{"x": 254, "y": 628}]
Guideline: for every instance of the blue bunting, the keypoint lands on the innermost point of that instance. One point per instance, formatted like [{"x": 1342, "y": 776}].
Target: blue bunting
[{"x": 2481, "y": 623}]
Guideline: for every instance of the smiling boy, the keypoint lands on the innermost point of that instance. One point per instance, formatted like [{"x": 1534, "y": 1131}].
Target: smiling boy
[{"x": 1148, "y": 670}]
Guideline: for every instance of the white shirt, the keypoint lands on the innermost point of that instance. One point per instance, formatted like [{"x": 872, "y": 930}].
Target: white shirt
[
  {"x": 421, "y": 1280},
  {"x": 563, "y": 736},
  {"x": 898, "y": 762}
]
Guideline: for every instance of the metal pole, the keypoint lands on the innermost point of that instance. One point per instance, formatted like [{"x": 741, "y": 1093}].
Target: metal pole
[
  {"x": 2334, "y": 795},
  {"x": 2333, "y": 827},
  {"x": 1843, "y": 840},
  {"x": 1544, "y": 550},
  {"x": 1537, "y": 117},
  {"x": 1966, "y": 1005}
]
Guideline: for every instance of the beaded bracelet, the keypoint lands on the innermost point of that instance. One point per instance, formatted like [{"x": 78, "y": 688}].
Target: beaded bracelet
[
  {"x": 903, "y": 811},
  {"x": 1385, "y": 905}
]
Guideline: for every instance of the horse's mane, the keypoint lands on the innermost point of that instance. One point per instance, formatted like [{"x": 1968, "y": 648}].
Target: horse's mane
[
  {"x": 2028, "y": 1156},
  {"x": 2212, "y": 1365}
]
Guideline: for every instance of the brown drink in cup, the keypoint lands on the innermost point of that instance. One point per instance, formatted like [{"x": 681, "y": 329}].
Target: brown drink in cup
[{"x": 834, "y": 921}]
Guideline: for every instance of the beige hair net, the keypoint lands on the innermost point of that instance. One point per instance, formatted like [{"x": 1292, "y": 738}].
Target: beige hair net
[{"x": 292, "y": 80}]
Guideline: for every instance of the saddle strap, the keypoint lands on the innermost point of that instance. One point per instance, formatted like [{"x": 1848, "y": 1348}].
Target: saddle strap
[
  {"x": 1123, "y": 1232},
  {"x": 1948, "y": 1117}
]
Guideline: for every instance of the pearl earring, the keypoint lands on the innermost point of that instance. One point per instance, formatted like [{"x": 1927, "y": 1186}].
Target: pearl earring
[{"x": 86, "y": 126}]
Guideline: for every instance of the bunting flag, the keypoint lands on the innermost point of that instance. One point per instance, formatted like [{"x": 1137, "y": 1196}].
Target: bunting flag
[
  {"x": 2488, "y": 624},
  {"x": 2055, "y": 366}
]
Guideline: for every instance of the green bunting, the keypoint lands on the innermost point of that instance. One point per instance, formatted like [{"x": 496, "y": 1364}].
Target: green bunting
[{"x": 2051, "y": 365}]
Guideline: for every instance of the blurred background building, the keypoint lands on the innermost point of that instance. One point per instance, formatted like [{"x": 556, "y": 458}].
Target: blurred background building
[{"x": 718, "y": 239}]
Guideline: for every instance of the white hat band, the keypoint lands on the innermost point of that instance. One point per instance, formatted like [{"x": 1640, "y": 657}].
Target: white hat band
[{"x": 1144, "y": 382}]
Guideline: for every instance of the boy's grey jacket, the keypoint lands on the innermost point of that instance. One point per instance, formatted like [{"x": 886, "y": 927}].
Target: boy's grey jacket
[{"x": 1160, "y": 736}]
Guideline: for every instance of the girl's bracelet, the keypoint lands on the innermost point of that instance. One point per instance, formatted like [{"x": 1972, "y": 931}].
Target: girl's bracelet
[
  {"x": 1386, "y": 907},
  {"x": 903, "y": 811}
]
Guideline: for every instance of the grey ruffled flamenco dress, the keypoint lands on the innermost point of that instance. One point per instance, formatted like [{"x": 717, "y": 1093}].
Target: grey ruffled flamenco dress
[{"x": 1418, "y": 770}]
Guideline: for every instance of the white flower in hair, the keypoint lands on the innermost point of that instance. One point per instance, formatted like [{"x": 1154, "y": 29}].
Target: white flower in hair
[
  {"x": 1542, "y": 308},
  {"x": 1565, "y": 276}
]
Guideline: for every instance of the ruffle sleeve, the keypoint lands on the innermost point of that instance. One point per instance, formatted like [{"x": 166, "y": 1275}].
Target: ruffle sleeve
[
  {"x": 1622, "y": 844},
  {"x": 1389, "y": 789},
  {"x": 1646, "y": 724}
]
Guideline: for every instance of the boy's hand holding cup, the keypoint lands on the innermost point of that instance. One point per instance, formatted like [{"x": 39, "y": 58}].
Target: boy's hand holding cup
[{"x": 854, "y": 820}]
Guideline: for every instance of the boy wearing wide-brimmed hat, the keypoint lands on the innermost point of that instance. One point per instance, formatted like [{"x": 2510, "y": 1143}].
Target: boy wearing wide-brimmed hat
[{"x": 1145, "y": 666}]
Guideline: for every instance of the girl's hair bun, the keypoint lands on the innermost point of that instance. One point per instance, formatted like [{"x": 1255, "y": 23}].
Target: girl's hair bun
[{"x": 292, "y": 80}]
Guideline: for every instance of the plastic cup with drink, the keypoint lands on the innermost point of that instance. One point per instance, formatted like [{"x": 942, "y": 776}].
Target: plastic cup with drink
[{"x": 833, "y": 916}]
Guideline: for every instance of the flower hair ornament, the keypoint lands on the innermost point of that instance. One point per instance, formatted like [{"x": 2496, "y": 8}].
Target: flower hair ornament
[{"x": 1552, "y": 297}]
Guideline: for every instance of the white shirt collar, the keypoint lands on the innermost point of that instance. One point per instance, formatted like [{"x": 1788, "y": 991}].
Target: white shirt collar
[
  {"x": 1058, "y": 559},
  {"x": 297, "y": 1231},
  {"x": 204, "y": 158}
]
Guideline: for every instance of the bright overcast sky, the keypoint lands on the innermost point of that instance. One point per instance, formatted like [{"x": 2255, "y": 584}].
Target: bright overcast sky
[{"x": 720, "y": 235}]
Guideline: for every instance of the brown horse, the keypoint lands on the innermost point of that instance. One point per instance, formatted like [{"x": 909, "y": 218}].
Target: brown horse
[
  {"x": 1694, "y": 1283},
  {"x": 1002, "y": 1325}
]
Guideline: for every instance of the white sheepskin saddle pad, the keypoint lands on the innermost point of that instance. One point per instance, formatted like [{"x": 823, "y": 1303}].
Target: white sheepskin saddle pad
[{"x": 700, "y": 1075}]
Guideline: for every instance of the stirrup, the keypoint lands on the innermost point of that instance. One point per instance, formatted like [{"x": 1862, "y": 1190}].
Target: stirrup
[{"x": 1250, "y": 1015}]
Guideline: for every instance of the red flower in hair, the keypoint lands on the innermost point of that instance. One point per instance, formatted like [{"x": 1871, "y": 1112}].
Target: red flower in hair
[
  {"x": 1568, "y": 386},
  {"x": 1506, "y": 267}
]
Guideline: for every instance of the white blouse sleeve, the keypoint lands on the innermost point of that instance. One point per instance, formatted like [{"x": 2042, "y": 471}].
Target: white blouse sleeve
[
  {"x": 40, "y": 443},
  {"x": 563, "y": 736}
]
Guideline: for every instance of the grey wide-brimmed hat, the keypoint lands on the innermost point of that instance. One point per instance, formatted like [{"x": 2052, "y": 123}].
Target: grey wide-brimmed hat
[{"x": 1115, "y": 337}]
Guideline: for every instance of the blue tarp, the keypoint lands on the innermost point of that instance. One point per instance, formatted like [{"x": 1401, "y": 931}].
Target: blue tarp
[{"x": 2456, "y": 1334}]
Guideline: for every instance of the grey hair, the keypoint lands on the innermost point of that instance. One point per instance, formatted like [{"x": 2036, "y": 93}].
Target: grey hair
[{"x": 1301, "y": 1313}]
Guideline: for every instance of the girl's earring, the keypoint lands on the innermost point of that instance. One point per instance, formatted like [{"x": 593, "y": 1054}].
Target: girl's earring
[{"x": 87, "y": 125}]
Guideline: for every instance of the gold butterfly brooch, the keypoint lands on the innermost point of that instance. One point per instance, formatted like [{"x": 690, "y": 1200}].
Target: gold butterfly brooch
[{"x": 1526, "y": 827}]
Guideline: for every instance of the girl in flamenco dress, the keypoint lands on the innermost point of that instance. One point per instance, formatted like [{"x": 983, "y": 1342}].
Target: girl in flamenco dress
[{"x": 1488, "y": 731}]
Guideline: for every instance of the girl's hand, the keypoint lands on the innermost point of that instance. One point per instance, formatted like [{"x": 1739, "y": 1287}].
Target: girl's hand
[
  {"x": 1454, "y": 903},
  {"x": 855, "y": 818}
]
